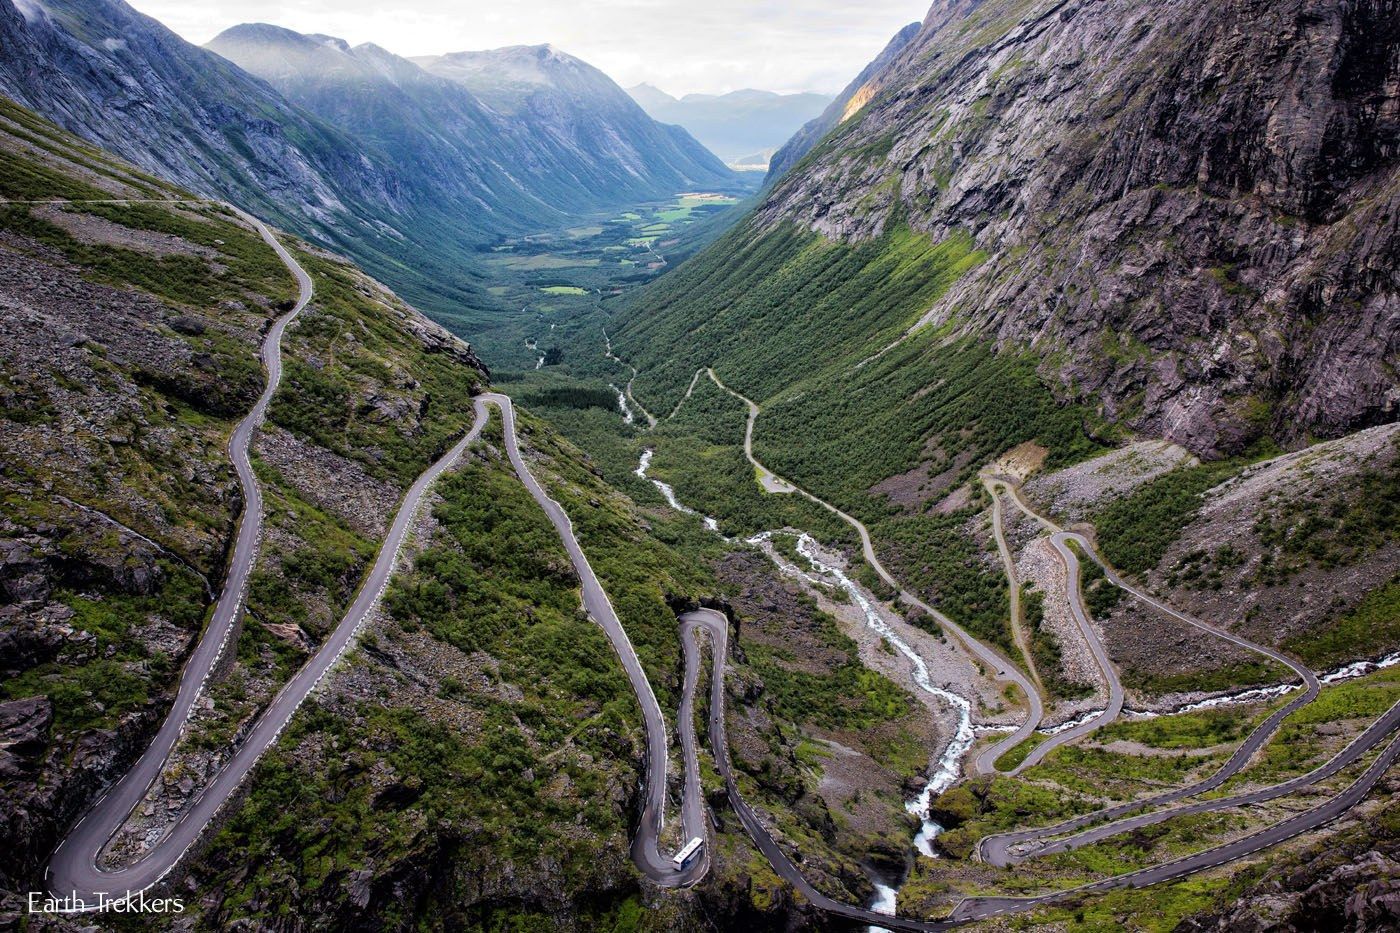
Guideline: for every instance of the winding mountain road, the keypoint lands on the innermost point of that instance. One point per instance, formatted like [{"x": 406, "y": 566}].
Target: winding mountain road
[
  {"x": 73, "y": 871},
  {"x": 73, "y": 868},
  {"x": 981, "y": 908},
  {"x": 997, "y": 849},
  {"x": 1114, "y": 708},
  {"x": 977, "y": 908},
  {"x": 646, "y": 851},
  {"x": 1002, "y": 668},
  {"x": 716, "y": 626},
  {"x": 1354, "y": 751},
  {"x": 1008, "y": 566},
  {"x": 607, "y": 352}
]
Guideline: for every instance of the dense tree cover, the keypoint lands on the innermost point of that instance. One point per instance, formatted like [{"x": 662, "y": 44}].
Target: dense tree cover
[
  {"x": 1134, "y": 532},
  {"x": 572, "y": 396},
  {"x": 932, "y": 554},
  {"x": 774, "y": 304},
  {"x": 701, "y": 453},
  {"x": 954, "y": 405},
  {"x": 1100, "y": 596},
  {"x": 811, "y": 329},
  {"x": 639, "y": 572}
]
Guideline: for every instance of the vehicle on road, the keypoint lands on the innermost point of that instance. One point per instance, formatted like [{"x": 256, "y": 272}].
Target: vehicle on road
[{"x": 688, "y": 853}]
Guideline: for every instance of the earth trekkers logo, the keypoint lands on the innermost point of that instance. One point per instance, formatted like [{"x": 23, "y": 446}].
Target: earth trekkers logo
[{"x": 132, "y": 902}]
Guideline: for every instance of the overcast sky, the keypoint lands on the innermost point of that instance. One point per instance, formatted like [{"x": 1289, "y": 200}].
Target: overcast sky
[{"x": 681, "y": 46}]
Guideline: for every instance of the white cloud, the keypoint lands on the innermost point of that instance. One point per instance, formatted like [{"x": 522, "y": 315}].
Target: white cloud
[{"x": 681, "y": 46}]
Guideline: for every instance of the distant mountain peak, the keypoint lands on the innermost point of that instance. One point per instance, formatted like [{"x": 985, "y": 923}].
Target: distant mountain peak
[
  {"x": 266, "y": 32},
  {"x": 739, "y": 125},
  {"x": 332, "y": 41}
]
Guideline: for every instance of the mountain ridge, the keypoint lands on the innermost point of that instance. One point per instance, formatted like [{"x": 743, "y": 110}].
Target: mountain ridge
[
  {"x": 807, "y": 136},
  {"x": 736, "y": 124},
  {"x": 1204, "y": 253},
  {"x": 412, "y": 207}
]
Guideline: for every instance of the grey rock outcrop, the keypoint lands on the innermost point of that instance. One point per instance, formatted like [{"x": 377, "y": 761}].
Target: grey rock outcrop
[
  {"x": 1190, "y": 210},
  {"x": 864, "y": 86}
]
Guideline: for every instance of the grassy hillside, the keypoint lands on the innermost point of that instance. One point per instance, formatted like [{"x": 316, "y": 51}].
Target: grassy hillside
[
  {"x": 889, "y": 427},
  {"x": 130, "y": 351}
]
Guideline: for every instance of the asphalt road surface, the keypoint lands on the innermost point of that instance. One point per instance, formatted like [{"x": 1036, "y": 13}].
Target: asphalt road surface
[
  {"x": 1114, "y": 707},
  {"x": 977, "y": 908},
  {"x": 1002, "y": 669},
  {"x": 646, "y": 852},
  {"x": 73, "y": 870},
  {"x": 998, "y": 849},
  {"x": 1374, "y": 735},
  {"x": 972, "y": 909},
  {"x": 716, "y": 626},
  {"x": 1008, "y": 564}
]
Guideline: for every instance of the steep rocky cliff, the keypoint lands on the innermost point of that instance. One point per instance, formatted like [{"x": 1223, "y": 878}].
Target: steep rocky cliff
[
  {"x": 581, "y": 117},
  {"x": 530, "y": 120},
  {"x": 1191, "y": 210},
  {"x": 859, "y": 90}
]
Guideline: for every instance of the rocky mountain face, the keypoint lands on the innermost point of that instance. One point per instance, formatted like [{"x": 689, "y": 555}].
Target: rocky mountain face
[
  {"x": 1191, "y": 212},
  {"x": 742, "y": 127},
  {"x": 579, "y": 112},
  {"x": 371, "y": 156},
  {"x": 530, "y": 133},
  {"x": 122, "y": 80},
  {"x": 858, "y": 91}
]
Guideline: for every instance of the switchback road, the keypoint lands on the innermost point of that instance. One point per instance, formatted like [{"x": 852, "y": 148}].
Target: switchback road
[
  {"x": 716, "y": 626},
  {"x": 73, "y": 871},
  {"x": 1001, "y": 667},
  {"x": 1354, "y": 751},
  {"x": 977, "y": 908},
  {"x": 646, "y": 851},
  {"x": 1059, "y": 541},
  {"x": 74, "y": 864},
  {"x": 997, "y": 849}
]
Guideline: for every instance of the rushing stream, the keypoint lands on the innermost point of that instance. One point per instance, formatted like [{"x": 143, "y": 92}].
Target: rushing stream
[
  {"x": 949, "y": 766},
  {"x": 668, "y": 492},
  {"x": 627, "y": 416},
  {"x": 1255, "y": 694}
]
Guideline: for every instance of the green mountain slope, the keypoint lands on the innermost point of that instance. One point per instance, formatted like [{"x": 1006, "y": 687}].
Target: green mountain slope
[
  {"x": 130, "y": 351},
  {"x": 475, "y": 761},
  {"x": 358, "y": 150},
  {"x": 1172, "y": 259}
]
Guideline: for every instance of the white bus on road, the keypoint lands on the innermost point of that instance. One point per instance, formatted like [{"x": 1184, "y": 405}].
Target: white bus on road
[{"x": 688, "y": 852}]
